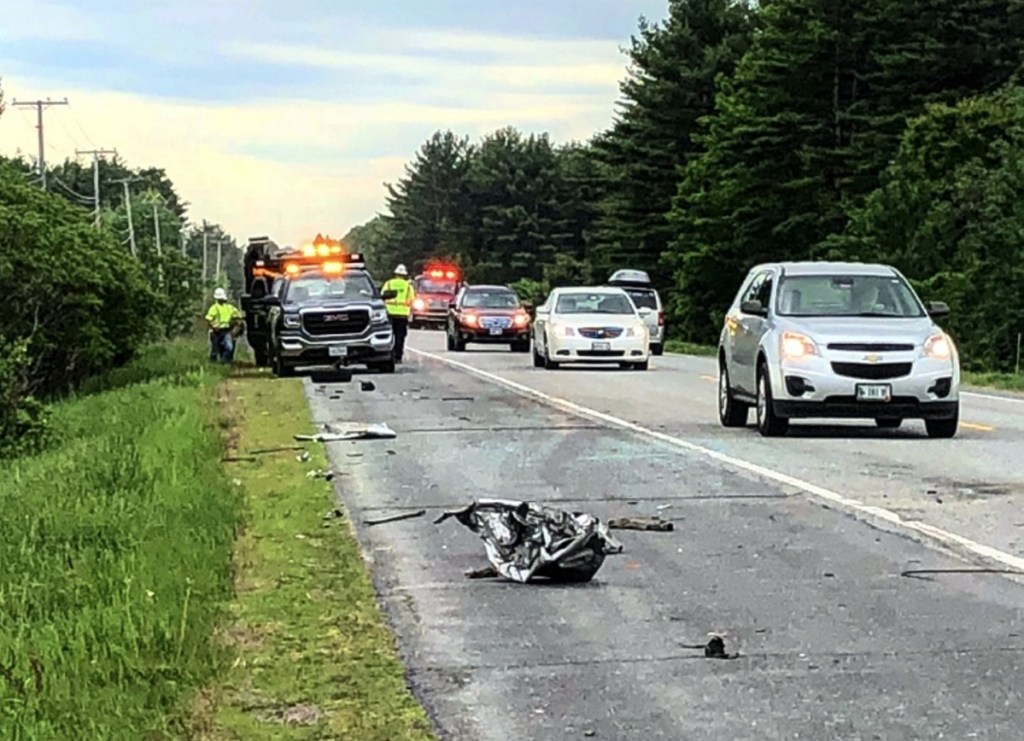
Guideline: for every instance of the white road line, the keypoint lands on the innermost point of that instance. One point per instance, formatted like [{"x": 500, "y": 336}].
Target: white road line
[{"x": 854, "y": 506}]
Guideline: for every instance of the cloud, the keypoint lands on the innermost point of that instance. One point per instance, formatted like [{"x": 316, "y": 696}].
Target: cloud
[
  {"x": 308, "y": 147},
  {"x": 39, "y": 20}
]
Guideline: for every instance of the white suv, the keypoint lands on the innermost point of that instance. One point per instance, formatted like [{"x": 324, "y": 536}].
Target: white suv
[
  {"x": 637, "y": 283},
  {"x": 835, "y": 340}
]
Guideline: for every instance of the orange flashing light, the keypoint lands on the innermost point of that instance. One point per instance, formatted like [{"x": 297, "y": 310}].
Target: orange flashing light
[
  {"x": 291, "y": 268},
  {"x": 332, "y": 267}
]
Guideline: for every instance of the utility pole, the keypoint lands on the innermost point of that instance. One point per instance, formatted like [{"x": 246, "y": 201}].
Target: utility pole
[
  {"x": 96, "y": 177},
  {"x": 128, "y": 205},
  {"x": 156, "y": 224},
  {"x": 206, "y": 260},
  {"x": 39, "y": 105},
  {"x": 219, "y": 243}
]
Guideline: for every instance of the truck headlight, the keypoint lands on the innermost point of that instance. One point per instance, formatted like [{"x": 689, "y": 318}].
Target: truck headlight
[
  {"x": 292, "y": 322},
  {"x": 379, "y": 316}
]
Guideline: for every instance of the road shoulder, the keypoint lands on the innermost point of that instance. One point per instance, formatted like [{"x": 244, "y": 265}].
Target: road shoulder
[{"x": 310, "y": 654}]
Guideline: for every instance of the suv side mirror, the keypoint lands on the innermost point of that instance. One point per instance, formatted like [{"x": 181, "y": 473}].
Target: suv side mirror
[
  {"x": 938, "y": 309},
  {"x": 389, "y": 294},
  {"x": 753, "y": 307}
]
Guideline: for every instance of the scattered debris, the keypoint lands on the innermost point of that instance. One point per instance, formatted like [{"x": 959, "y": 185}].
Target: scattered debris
[
  {"x": 391, "y": 452},
  {"x": 336, "y": 396},
  {"x": 458, "y": 398},
  {"x": 661, "y": 507},
  {"x": 641, "y": 523},
  {"x": 303, "y": 457},
  {"x": 714, "y": 648},
  {"x": 334, "y": 514},
  {"x": 486, "y": 572},
  {"x": 369, "y": 432},
  {"x": 238, "y": 459},
  {"x": 367, "y": 385},
  {"x": 525, "y": 540},
  {"x": 396, "y": 518},
  {"x": 354, "y": 455},
  {"x": 325, "y": 475},
  {"x": 335, "y": 375},
  {"x": 281, "y": 449},
  {"x": 917, "y": 573}
]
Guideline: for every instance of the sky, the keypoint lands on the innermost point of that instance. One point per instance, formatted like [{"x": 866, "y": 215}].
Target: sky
[{"x": 287, "y": 117}]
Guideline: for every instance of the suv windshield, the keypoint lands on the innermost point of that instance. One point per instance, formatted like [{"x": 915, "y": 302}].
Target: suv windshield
[
  {"x": 593, "y": 303},
  {"x": 425, "y": 285},
  {"x": 351, "y": 286},
  {"x": 643, "y": 298},
  {"x": 847, "y": 296},
  {"x": 481, "y": 299}
]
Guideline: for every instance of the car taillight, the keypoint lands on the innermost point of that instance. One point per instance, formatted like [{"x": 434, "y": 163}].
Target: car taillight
[{"x": 661, "y": 318}]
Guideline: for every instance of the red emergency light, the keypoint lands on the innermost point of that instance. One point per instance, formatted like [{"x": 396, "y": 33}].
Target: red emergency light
[{"x": 449, "y": 272}]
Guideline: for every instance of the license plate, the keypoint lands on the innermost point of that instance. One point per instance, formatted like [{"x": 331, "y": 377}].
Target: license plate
[
  {"x": 601, "y": 346},
  {"x": 874, "y": 392},
  {"x": 496, "y": 330},
  {"x": 337, "y": 351}
]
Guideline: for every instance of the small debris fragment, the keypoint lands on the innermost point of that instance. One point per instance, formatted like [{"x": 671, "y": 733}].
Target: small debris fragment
[
  {"x": 714, "y": 648},
  {"x": 334, "y": 514},
  {"x": 661, "y": 507},
  {"x": 641, "y": 523},
  {"x": 396, "y": 518},
  {"x": 486, "y": 572},
  {"x": 239, "y": 459},
  {"x": 302, "y": 457},
  {"x": 281, "y": 449},
  {"x": 590, "y": 733},
  {"x": 458, "y": 398},
  {"x": 369, "y": 432},
  {"x": 367, "y": 385},
  {"x": 391, "y": 452},
  {"x": 318, "y": 474}
]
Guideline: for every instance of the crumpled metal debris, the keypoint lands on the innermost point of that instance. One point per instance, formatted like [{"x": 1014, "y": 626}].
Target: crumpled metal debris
[
  {"x": 367, "y": 432},
  {"x": 525, "y": 540}
]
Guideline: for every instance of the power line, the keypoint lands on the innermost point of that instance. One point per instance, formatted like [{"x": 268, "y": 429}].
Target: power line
[
  {"x": 39, "y": 105},
  {"x": 96, "y": 177}
]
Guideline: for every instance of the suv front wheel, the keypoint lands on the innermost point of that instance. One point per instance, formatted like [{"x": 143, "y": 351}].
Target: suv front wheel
[
  {"x": 731, "y": 413},
  {"x": 769, "y": 424}
]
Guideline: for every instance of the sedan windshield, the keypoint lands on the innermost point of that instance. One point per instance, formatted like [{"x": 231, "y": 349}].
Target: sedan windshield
[
  {"x": 315, "y": 286},
  {"x": 490, "y": 300},
  {"x": 594, "y": 303},
  {"x": 847, "y": 296}
]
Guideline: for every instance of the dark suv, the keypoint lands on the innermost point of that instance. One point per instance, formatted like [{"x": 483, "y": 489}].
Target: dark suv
[
  {"x": 329, "y": 314},
  {"x": 488, "y": 315}
]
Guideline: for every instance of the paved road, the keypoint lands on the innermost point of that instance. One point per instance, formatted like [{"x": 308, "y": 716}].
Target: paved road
[{"x": 835, "y": 643}]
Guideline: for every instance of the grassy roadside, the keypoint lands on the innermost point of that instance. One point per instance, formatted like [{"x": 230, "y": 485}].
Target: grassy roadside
[
  {"x": 314, "y": 658},
  {"x": 116, "y": 551},
  {"x": 994, "y": 381}
]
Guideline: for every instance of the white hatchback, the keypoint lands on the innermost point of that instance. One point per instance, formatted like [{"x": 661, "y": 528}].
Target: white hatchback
[{"x": 590, "y": 325}]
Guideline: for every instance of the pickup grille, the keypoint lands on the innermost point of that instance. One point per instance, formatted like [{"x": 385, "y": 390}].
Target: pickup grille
[
  {"x": 338, "y": 322},
  {"x": 870, "y": 346},
  {"x": 872, "y": 371},
  {"x": 600, "y": 333}
]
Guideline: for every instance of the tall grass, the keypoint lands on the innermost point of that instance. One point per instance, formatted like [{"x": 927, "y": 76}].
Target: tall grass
[{"x": 115, "y": 553}]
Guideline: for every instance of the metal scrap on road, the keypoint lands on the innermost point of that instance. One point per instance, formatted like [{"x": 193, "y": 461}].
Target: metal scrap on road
[
  {"x": 378, "y": 431},
  {"x": 526, "y": 540}
]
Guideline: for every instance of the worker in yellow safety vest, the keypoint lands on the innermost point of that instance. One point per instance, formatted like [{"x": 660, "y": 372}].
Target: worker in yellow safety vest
[
  {"x": 399, "y": 307},
  {"x": 221, "y": 316}
]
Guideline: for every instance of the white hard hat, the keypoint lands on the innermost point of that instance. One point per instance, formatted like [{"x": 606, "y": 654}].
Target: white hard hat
[
  {"x": 220, "y": 295},
  {"x": 400, "y": 270}
]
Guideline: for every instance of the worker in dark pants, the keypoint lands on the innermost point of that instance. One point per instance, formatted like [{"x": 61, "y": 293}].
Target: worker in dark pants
[{"x": 400, "y": 307}]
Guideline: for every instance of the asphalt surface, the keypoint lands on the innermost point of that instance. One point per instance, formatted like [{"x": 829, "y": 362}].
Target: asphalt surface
[{"x": 834, "y": 643}]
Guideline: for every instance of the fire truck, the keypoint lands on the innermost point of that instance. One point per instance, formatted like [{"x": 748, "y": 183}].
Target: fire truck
[
  {"x": 264, "y": 263},
  {"x": 435, "y": 288}
]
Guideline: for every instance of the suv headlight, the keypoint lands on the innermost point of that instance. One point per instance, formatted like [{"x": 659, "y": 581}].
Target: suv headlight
[
  {"x": 292, "y": 321},
  {"x": 938, "y": 347},
  {"x": 378, "y": 316},
  {"x": 796, "y": 345}
]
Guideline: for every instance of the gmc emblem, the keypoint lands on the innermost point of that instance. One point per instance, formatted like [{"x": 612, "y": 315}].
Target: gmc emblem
[{"x": 336, "y": 317}]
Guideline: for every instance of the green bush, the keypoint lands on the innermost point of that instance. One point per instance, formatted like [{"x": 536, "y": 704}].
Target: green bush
[{"x": 116, "y": 552}]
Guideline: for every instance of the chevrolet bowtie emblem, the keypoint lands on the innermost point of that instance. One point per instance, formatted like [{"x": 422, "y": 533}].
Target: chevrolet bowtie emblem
[{"x": 872, "y": 358}]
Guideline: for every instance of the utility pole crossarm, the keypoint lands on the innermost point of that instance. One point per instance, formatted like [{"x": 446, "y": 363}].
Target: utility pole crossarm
[{"x": 39, "y": 105}]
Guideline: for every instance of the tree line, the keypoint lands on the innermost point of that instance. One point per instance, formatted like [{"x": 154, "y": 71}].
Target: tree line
[
  {"x": 877, "y": 130},
  {"x": 78, "y": 300}
]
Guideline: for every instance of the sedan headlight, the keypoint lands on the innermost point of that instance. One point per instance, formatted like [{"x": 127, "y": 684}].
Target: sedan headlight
[
  {"x": 562, "y": 330},
  {"x": 291, "y": 321},
  {"x": 938, "y": 347},
  {"x": 796, "y": 345},
  {"x": 378, "y": 316},
  {"x": 637, "y": 330}
]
